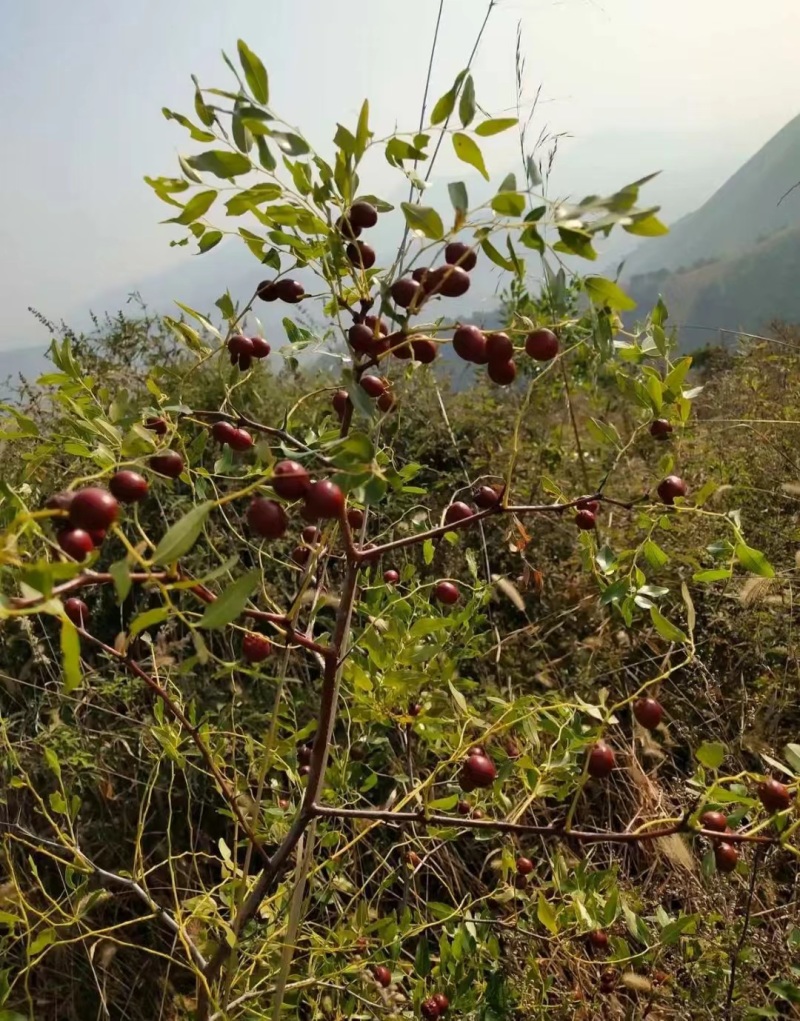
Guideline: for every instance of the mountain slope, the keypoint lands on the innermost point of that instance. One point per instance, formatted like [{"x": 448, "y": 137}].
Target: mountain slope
[
  {"x": 746, "y": 292},
  {"x": 744, "y": 211}
]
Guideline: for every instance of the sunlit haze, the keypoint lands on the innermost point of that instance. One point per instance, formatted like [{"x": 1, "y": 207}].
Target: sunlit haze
[{"x": 690, "y": 87}]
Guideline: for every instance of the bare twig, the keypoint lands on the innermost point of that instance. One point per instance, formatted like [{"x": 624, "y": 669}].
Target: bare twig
[{"x": 743, "y": 935}]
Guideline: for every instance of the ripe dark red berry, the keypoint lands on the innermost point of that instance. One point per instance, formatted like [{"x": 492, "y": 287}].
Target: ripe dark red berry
[
  {"x": 59, "y": 501},
  {"x": 383, "y": 976},
  {"x": 267, "y": 518},
  {"x": 361, "y": 254},
  {"x": 97, "y": 535},
  {"x": 156, "y": 425},
  {"x": 524, "y": 866},
  {"x": 240, "y": 346},
  {"x": 169, "y": 464},
  {"x": 591, "y": 505},
  {"x": 93, "y": 508},
  {"x": 391, "y": 577},
  {"x": 290, "y": 480},
  {"x": 429, "y": 1009},
  {"x": 585, "y": 520},
  {"x": 469, "y": 343},
  {"x": 670, "y": 488},
  {"x": 377, "y": 326},
  {"x": 478, "y": 771},
  {"x": 255, "y": 647},
  {"x": 441, "y": 1002},
  {"x": 355, "y": 518},
  {"x": 463, "y": 808},
  {"x": 499, "y": 348},
  {"x": 598, "y": 939},
  {"x": 541, "y": 345},
  {"x": 77, "y": 611},
  {"x": 726, "y": 857},
  {"x": 267, "y": 291},
  {"x": 502, "y": 373},
  {"x": 458, "y": 511},
  {"x": 424, "y": 350},
  {"x": 648, "y": 712},
  {"x": 128, "y": 486},
  {"x": 454, "y": 282},
  {"x": 361, "y": 337},
  {"x": 290, "y": 291},
  {"x": 76, "y": 542},
  {"x": 601, "y": 760},
  {"x": 716, "y": 821},
  {"x": 304, "y": 770},
  {"x": 660, "y": 428},
  {"x": 340, "y": 401},
  {"x": 374, "y": 386},
  {"x": 240, "y": 439},
  {"x": 301, "y": 555},
  {"x": 420, "y": 274},
  {"x": 486, "y": 497},
  {"x": 459, "y": 254},
  {"x": 386, "y": 401},
  {"x": 261, "y": 347},
  {"x": 406, "y": 292},
  {"x": 310, "y": 534},
  {"x": 346, "y": 228},
  {"x": 223, "y": 431},
  {"x": 774, "y": 795},
  {"x": 399, "y": 345},
  {"x": 363, "y": 215},
  {"x": 446, "y": 592},
  {"x": 324, "y": 499}
]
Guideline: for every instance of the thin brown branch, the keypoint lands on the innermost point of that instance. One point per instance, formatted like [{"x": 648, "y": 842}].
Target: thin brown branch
[{"x": 270, "y": 430}]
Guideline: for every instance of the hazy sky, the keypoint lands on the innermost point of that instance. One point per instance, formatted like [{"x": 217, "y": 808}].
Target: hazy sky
[{"x": 688, "y": 86}]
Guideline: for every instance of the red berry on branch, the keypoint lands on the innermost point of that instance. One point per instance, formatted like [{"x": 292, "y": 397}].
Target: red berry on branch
[
  {"x": 169, "y": 464},
  {"x": 487, "y": 496},
  {"x": 429, "y": 1009},
  {"x": 459, "y": 254},
  {"x": 499, "y": 347},
  {"x": 391, "y": 577},
  {"x": 726, "y": 857},
  {"x": 399, "y": 345},
  {"x": 93, "y": 508},
  {"x": 240, "y": 440},
  {"x": 267, "y": 291},
  {"x": 660, "y": 428},
  {"x": 301, "y": 555},
  {"x": 670, "y": 488},
  {"x": 648, "y": 712},
  {"x": 446, "y": 592},
  {"x": 424, "y": 350},
  {"x": 716, "y": 821},
  {"x": 377, "y": 326},
  {"x": 240, "y": 347},
  {"x": 502, "y": 373},
  {"x": 311, "y": 535},
  {"x": 340, "y": 401},
  {"x": 469, "y": 343},
  {"x": 267, "y": 518},
  {"x": 363, "y": 215},
  {"x": 458, "y": 511},
  {"x": 77, "y": 611},
  {"x": 524, "y": 866},
  {"x": 76, "y": 543},
  {"x": 324, "y": 500},
  {"x": 255, "y": 647},
  {"x": 346, "y": 228},
  {"x": 290, "y": 480},
  {"x": 156, "y": 425},
  {"x": 454, "y": 281},
  {"x": 463, "y": 808},
  {"x": 601, "y": 760},
  {"x": 774, "y": 795},
  {"x": 541, "y": 345},
  {"x": 361, "y": 254},
  {"x": 373, "y": 386},
  {"x": 128, "y": 486},
  {"x": 441, "y": 1002},
  {"x": 290, "y": 291},
  {"x": 361, "y": 337},
  {"x": 406, "y": 292},
  {"x": 223, "y": 431},
  {"x": 355, "y": 518},
  {"x": 383, "y": 976},
  {"x": 478, "y": 771},
  {"x": 598, "y": 939},
  {"x": 386, "y": 401},
  {"x": 585, "y": 520},
  {"x": 97, "y": 535},
  {"x": 261, "y": 347}
]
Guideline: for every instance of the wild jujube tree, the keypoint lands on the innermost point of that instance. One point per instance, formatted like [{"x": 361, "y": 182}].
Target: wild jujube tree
[{"x": 400, "y": 743}]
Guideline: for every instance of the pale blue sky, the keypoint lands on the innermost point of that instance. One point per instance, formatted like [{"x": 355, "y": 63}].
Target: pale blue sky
[{"x": 691, "y": 86}]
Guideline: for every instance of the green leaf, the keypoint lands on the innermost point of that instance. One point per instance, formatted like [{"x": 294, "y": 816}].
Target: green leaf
[
  {"x": 120, "y": 572},
  {"x": 495, "y": 256},
  {"x": 70, "y": 656},
  {"x": 711, "y": 754},
  {"x": 603, "y": 432},
  {"x": 148, "y": 619},
  {"x": 654, "y": 554},
  {"x": 494, "y": 126},
  {"x": 509, "y": 203},
  {"x": 255, "y": 73},
  {"x": 291, "y": 144},
  {"x": 446, "y": 804},
  {"x": 244, "y": 200},
  {"x": 422, "y": 958},
  {"x": 196, "y": 133},
  {"x": 424, "y": 220},
  {"x": 459, "y": 699},
  {"x": 575, "y": 242},
  {"x": 665, "y": 628},
  {"x": 196, "y": 207},
  {"x": 546, "y": 915},
  {"x": 265, "y": 157},
  {"x": 715, "y": 574},
  {"x": 792, "y": 755},
  {"x": 646, "y": 226},
  {"x": 183, "y": 535},
  {"x": 427, "y": 551},
  {"x": 605, "y": 292},
  {"x": 44, "y": 939},
  {"x": 232, "y": 602},
  {"x": 753, "y": 560},
  {"x": 363, "y": 134},
  {"x": 458, "y": 196},
  {"x": 209, "y": 240},
  {"x": 466, "y": 105},
  {"x": 468, "y": 151},
  {"x": 220, "y": 163},
  {"x": 446, "y": 103}
]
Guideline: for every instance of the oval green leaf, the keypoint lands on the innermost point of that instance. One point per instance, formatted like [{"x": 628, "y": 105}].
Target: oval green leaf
[
  {"x": 468, "y": 151},
  {"x": 183, "y": 535}
]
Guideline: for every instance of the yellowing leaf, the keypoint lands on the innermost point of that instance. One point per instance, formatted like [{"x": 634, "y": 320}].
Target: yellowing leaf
[{"x": 468, "y": 150}]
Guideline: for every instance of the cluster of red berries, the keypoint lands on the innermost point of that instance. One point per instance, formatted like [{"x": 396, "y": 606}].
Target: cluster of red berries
[
  {"x": 773, "y": 795},
  {"x": 92, "y": 511},
  {"x": 496, "y": 351},
  {"x": 290, "y": 291},
  {"x": 360, "y": 216},
  {"x": 434, "y": 1007},
  {"x": 244, "y": 349},
  {"x": 451, "y": 280},
  {"x": 322, "y": 500}
]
